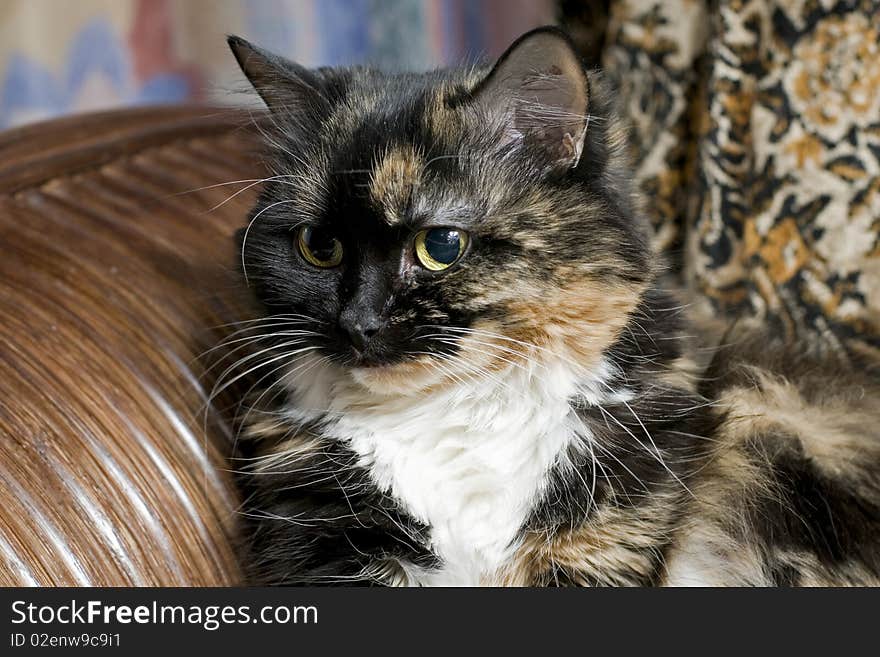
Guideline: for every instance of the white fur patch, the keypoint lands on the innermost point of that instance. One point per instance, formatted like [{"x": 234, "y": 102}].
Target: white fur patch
[{"x": 469, "y": 461}]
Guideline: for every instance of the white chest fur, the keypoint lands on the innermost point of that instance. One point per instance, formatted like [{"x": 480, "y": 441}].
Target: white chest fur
[{"x": 469, "y": 462}]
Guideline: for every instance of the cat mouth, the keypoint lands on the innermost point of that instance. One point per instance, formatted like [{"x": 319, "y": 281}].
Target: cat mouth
[
  {"x": 367, "y": 359},
  {"x": 376, "y": 360}
]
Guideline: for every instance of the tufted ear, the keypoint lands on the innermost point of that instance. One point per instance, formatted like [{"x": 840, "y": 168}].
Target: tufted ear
[
  {"x": 285, "y": 87},
  {"x": 539, "y": 91}
]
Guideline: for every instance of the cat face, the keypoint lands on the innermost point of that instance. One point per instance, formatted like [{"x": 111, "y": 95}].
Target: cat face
[{"x": 431, "y": 228}]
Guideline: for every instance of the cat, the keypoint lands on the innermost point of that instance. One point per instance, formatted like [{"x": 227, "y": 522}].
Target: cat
[{"x": 478, "y": 375}]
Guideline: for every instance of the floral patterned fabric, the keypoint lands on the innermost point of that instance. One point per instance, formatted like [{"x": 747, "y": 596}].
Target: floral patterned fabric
[{"x": 756, "y": 134}]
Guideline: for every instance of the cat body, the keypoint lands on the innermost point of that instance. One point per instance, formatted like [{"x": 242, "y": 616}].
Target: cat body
[{"x": 477, "y": 377}]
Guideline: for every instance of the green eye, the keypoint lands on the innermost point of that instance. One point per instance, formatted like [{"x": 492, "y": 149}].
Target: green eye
[
  {"x": 319, "y": 247},
  {"x": 440, "y": 248}
]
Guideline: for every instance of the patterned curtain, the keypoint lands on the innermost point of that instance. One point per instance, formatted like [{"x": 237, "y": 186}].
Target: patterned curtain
[
  {"x": 61, "y": 56},
  {"x": 756, "y": 134}
]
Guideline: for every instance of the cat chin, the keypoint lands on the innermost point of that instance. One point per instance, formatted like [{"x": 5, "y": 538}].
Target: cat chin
[{"x": 406, "y": 379}]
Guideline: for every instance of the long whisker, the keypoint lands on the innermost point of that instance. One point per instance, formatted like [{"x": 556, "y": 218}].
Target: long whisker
[
  {"x": 289, "y": 317},
  {"x": 248, "y": 230},
  {"x": 218, "y": 389},
  {"x": 307, "y": 365},
  {"x": 251, "y": 340}
]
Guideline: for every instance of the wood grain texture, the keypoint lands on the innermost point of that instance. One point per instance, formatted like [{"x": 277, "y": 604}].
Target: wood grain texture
[{"x": 114, "y": 277}]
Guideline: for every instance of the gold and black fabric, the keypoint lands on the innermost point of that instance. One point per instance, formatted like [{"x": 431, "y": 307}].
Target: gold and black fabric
[{"x": 756, "y": 138}]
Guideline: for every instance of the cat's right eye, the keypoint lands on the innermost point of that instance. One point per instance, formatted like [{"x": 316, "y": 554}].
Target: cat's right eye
[{"x": 319, "y": 247}]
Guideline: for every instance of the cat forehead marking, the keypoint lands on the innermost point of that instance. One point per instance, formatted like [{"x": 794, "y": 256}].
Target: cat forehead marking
[{"x": 397, "y": 172}]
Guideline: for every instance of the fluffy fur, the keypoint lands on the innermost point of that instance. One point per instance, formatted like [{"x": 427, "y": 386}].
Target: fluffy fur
[{"x": 532, "y": 415}]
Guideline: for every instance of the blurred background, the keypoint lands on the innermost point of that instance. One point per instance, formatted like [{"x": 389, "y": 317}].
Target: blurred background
[{"x": 58, "y": 57}]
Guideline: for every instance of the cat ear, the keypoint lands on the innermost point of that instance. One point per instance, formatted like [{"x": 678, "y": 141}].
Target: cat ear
[
  {"x": 539, "y": 91},
  {"x": 285, "y": 87}
]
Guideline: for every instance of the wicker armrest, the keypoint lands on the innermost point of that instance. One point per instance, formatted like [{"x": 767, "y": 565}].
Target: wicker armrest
[{"x": 112, "y": 275}]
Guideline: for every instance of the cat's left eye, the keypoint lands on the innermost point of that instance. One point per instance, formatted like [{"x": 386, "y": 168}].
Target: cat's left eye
[
  {"x": 440, "y": 248},
  {"x": 319, "y": 247}
]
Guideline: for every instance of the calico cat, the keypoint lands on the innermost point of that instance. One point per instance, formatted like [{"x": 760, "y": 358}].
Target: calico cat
[{"x": 478, "y": 376}]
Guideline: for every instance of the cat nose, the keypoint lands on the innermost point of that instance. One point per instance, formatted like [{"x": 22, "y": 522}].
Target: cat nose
[{"x": 361, "y": 328}]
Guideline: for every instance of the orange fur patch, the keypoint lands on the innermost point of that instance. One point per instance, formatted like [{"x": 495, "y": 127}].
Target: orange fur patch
[
  {"x": 614, "y": 549},
  {"x": 578, "y": 321},
  {"x": 393, "y": 180}
]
